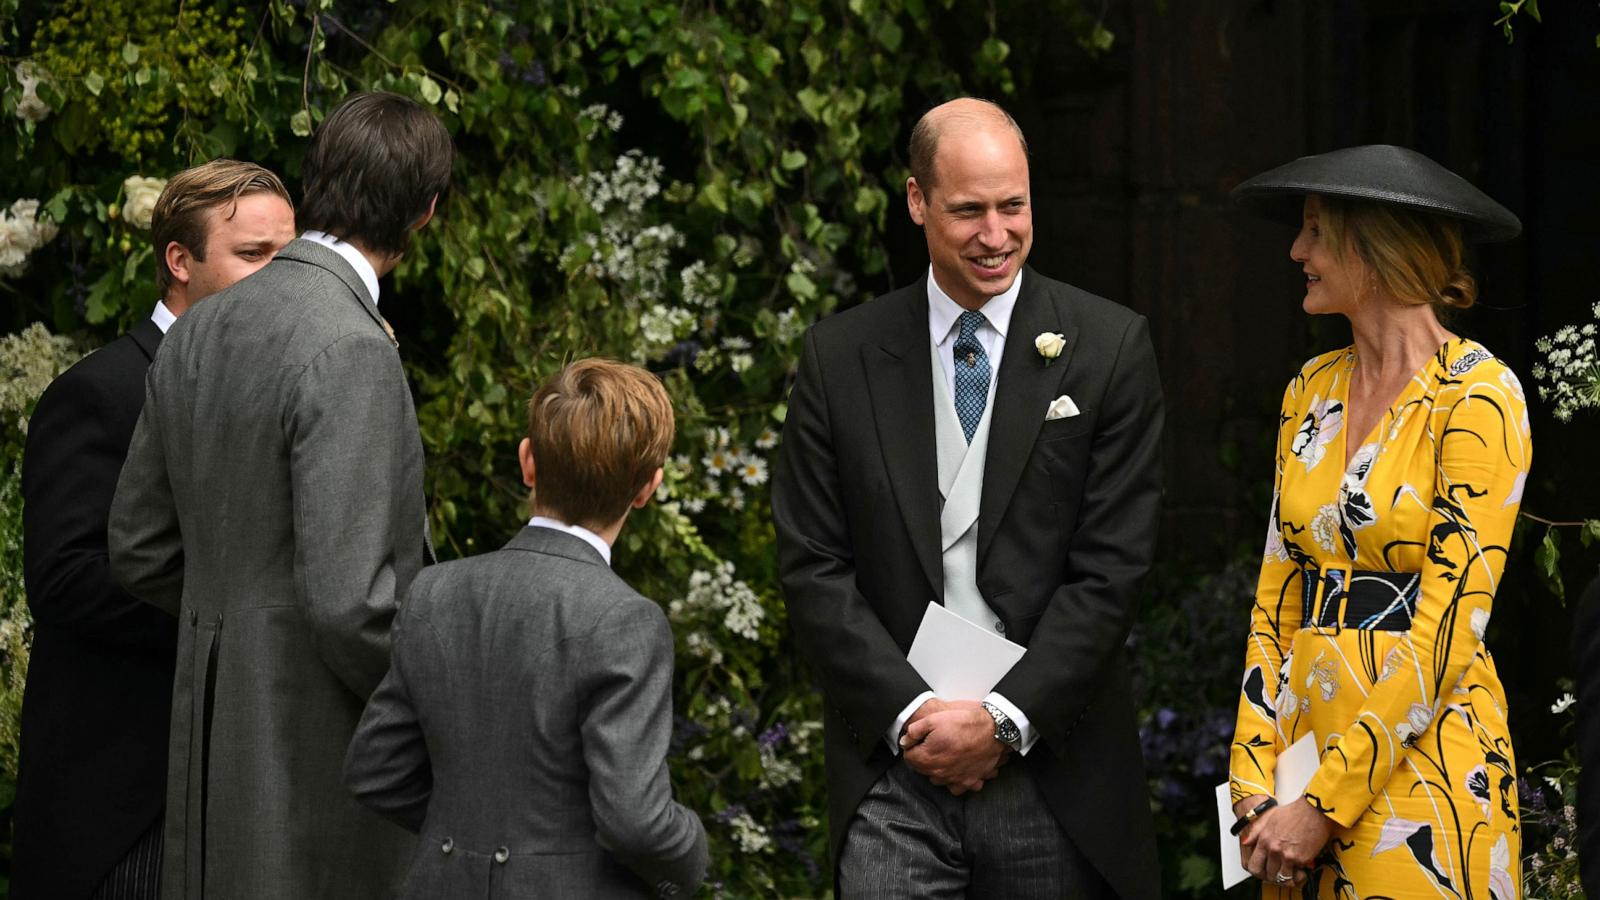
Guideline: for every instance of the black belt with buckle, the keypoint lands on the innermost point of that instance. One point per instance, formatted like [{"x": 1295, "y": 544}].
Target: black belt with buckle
[{"x": 1352, "y": 598}]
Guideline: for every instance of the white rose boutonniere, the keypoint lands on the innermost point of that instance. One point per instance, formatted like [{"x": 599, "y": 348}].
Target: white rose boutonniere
[
  {"x": 1049, "y": 344},
  {"x": 139, "y": 200}
]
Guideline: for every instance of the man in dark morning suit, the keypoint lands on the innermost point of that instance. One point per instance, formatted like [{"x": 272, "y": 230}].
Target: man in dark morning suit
[
  {"x": 91, "y": 786},
  {"x": 985, "y": 438},
  {"x": 523, "y": 726},
  {"x": 273, "y": 500}
]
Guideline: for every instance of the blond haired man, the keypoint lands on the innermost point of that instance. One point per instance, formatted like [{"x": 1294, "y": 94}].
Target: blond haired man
[
  {"x": 94, "y": 716},
  {"x": 522, "y": 728}
]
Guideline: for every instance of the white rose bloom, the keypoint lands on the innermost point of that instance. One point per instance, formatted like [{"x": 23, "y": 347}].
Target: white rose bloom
[
  {"x": 1049, "y": 344},
  {"x": 140, "y": 199}
]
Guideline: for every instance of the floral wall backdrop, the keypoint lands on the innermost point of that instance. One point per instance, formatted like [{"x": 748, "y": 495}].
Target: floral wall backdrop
[{"x": 682, "y": 185}]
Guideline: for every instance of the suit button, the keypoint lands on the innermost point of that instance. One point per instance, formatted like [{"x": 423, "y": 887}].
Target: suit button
[
  {"x": 501, "y": 855},
  {"x": 999, "y": 626},
  {"x": 448, "y": 845}
]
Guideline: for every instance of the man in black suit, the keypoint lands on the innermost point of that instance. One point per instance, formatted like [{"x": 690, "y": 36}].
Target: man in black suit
[
  {"x": 93, "y": 768},
  {"x": 986, "y": 438}
]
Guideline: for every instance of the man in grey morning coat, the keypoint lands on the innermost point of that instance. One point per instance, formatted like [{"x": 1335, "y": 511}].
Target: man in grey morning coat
[{"x": 272, "y": 499}]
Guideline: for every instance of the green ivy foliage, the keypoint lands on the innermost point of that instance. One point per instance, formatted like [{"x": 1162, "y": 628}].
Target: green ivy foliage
[{"x": 686, "y": 185}]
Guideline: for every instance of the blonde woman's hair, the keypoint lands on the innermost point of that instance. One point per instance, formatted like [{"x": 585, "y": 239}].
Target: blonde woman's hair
[{"x": 1417, "y": 257}]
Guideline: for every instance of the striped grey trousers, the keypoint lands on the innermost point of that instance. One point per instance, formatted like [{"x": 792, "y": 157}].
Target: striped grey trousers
[
  {"x": 913, "y": 840},
  {"x": 138, "y": 875}
]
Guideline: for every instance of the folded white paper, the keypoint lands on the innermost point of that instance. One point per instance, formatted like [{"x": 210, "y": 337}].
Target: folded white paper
[
  {"x": 960, "y": 660},
  {"x": 1292, "y": 773}
]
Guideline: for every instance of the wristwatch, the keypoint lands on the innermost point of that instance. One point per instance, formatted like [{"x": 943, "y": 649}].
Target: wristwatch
[{"x": 1005, "y": 730}]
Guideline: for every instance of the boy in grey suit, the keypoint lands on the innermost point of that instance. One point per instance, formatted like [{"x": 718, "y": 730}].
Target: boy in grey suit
[{"x": 522, "y": 728}]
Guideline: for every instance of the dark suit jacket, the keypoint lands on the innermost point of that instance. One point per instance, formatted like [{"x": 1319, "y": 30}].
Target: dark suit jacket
[
  {"x": 1586, "y": 665},
  {"x": 523, "y": 728},
  {"x": 1066, "y": 529},
  {"x": 99, "y": 693}
]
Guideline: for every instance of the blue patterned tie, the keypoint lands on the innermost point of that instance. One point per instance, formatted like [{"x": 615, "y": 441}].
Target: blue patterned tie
[{"x": 972, "y": 373}]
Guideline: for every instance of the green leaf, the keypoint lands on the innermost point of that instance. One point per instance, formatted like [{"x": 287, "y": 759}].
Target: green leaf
[
  {"x": 130, "y": 53},
  {"x": 800, "y": 285},
  {"x": 793, "y": 159},
  {"x": 430, "y": 90},
  {"x": 812, "y": 102},
  {"x": 1590, "y": 534},
  {"x": 300, "y": 123},
  {"x": 1548, "y": 560},
  {"x": 452, "y": 101},
  {"x": 94, "y": 83}
]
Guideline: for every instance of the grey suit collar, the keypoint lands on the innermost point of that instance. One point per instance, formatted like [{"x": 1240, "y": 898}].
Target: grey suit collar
[
  {"x": 555, "y": 543},
  {"x": 312, "y": 253}
]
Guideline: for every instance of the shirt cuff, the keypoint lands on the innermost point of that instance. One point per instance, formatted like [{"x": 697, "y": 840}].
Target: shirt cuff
[
  {"x": 1018, "y": 718},
  {"x": 893, "y": 735}
]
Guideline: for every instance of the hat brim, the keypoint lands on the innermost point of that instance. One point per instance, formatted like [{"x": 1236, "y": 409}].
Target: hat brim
[{"x": 1378, "y": 174}]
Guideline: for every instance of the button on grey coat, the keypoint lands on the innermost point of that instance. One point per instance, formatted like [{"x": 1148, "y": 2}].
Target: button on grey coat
[
  {"x": 272, "y": 499},
  {"x": 523, "y": 729}
]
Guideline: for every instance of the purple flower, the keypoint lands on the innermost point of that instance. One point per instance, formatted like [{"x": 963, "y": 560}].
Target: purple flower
[{"x": 773, "y": 736}]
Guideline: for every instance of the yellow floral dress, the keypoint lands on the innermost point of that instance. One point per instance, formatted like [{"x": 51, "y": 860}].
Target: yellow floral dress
[{"x": 1378, "y": 650}]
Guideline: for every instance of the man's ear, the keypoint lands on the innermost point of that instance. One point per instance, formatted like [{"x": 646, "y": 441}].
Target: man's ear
[
  {"x": 427, "y": 216},
  {"x": 180, "y": 262},
  {"x": 648, "y": 491},
  {"x": 525, "y": 459},
  {"x": 916, "y": 201}
]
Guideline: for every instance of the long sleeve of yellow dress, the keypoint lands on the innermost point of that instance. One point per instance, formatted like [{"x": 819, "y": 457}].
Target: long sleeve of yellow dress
[{"x": 1274, "y": 619}]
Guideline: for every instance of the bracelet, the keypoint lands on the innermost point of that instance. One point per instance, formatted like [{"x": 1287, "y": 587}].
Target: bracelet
[{"x": 1251, "y": 816}]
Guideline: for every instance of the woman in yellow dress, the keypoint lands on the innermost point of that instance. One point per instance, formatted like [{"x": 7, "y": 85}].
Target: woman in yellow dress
[{"x": 1400, "y": 467}]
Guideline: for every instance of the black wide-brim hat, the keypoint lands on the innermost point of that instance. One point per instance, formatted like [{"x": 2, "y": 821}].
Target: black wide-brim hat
[{"x": 1382, "y": 173}]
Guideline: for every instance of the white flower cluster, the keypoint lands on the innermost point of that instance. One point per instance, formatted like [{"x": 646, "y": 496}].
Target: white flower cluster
[
  {"x": 29, "y": 361},
  {"x": 139, "y": 196},
  {"x": 720, "y": 592},
  {"x": 30, "y": 108},
  {"x": 790, "y": 327},
  {"x": 22, "y": 231},
  {"x": 700, "y": 284},
  {"x": 602, "y": 116},
  {"x": 777, "y": 771},
  {"x": 1569, "y": 377},
  {"x": 749, "y": 835},
  {"x": 634, "y": 180}
]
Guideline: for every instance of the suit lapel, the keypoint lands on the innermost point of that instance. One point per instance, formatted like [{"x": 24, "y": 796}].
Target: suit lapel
[
  {"x": 1022, "y": 396},
  {"x": 900, "y": 382},
  {"x": 147, "y": 335}
]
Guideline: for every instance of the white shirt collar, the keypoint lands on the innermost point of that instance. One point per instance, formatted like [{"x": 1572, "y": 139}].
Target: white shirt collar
[
  {"x": 369, "y": 275},
  {"x": 162, "y": 316},
  {"x": 594, "y": 540},
  {"x": 943, "y": 311}
]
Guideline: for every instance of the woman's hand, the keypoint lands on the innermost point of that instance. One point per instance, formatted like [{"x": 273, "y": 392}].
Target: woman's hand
[{"x": 1283, "y": 843}]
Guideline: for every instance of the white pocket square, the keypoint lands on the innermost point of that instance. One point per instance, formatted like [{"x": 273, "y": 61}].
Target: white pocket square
[{"x": 1061, "y": 407}]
